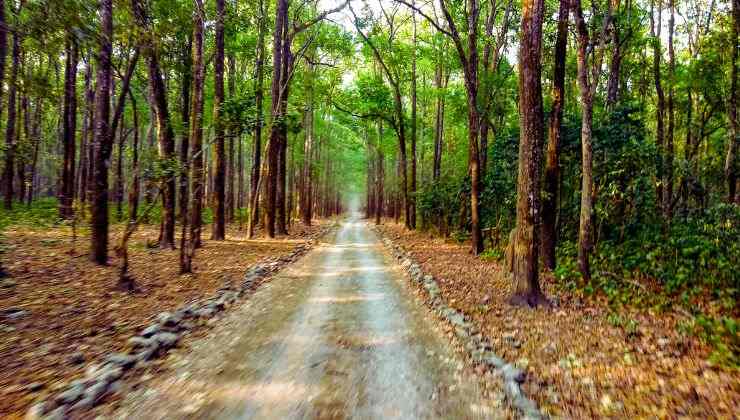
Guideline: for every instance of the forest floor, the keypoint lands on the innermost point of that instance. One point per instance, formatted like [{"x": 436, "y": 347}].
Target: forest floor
[
  {"x": 59, "y": 311},
  {"x": 585, "y": 359}
]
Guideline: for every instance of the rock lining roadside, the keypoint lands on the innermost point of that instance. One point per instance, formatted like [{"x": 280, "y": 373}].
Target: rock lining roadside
[
  {"x": 476, "y": 346},
  {"x": 154, "y": 341}
]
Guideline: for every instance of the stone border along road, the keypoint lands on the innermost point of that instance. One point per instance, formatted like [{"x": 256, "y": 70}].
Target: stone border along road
[
  {"x": 476, "y": 346},
  {"x": 154, "y": 341}
]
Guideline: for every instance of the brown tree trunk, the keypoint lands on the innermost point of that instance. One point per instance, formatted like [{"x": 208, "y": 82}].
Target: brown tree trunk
[
  {"x": 380, "y": 175},
  {"x": 257, "y": 144},
  {"x": 439, "y": 121},
  {"x": 612, "y": 85},
  {"x": 185, "y": 87},
  {"x": 166, "y": 137},
  {"x": 88, "y": 128},
  {"x": 307, "y": 180},
  {"x": 133, "y": 193},
  {"x": 526, "y": 237},
  {"x": 3, "y": 56},
  {"x": 552, "y": 166},
  {"x": 10, "y": 127},
  {"x": 655, "y": 29},
  {"x": 230, "y": 196},
  {"x": 668, "y": 187},
  {"x": 67, "y": 190},
  {"x": 102, "y": 139},
  {"x": 219, "y": 155},
  {"x": 730, "y": 159},
  {"x": 414, "y": 122},
  {"x": 196, "y": 133}
]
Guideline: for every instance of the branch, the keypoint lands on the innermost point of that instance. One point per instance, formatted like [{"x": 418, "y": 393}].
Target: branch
[
  {"x": 378, "y": 57},
  {"x": 300, "y": 28},
  {"x": 427, "y": 17}
]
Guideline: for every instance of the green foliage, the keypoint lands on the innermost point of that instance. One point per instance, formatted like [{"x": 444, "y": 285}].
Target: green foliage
[{"x": 42, "y": 213}]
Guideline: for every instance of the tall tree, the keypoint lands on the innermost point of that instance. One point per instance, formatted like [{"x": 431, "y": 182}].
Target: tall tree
[
  {"x": 655, "y": 30},
  {"x": 102, "y": 137},
  {"x": 165, "y": 134},
  {"x": 730, "y": 159},
  {"x": 254, "y": 187},
  {"x": 10, "y": 126},
  {"x": 552, "y": 165},
  {"x": 219, "y": 152},
  {"x": 69, "y": 138},
  {"x": 526, "y": 239},
  {"x": 587, "y": 84}
]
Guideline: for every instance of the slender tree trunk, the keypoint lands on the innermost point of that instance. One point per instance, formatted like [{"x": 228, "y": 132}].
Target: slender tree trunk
[
  {"x": 655, "y": 29},
  {"x": 257, "y": 144},
  {"x": 219, "y": 155},
  {"x": 730, "y": 159},
  {"x": 10, "y": 127},
  {"x": 612, "y": 86},
  {"x": 526, "y": 237},
  {"x": 229, "y": 203},
  {"x": 380, "y": 175},
  {"x": 66, "y": 192},
  {"x": 87, "y": 134},
  {"x": 3, "y": 58},
  {"x": 552, "y": 166},
  {"x": 668, "y": 187},
  {"x": 307, "y": 182},
  {"x": 196, "y": 133},
  {"x": 166, "y": 137},
  {"x": 414, "y": 123},
  {"x": 36, "y": 138},
  {"x": 439, "y": 124},
  {"x": 102, "y": 139},
  {"x": 185, "y": 87},
  {"x": 133, "y": 193}
]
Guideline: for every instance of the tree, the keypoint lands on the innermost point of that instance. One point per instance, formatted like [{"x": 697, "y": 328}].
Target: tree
[
  {"x": 102, "y": 140},
  {"x": 730, "y": 159},
  {"x": 219, "y": 152},
  {"x": 552, "y": 165},
  {"x": 166, "y": 137},
  {"x": 526, "y": 238},
  {"x": 587, "y": 85},
  {"x": 10, "y": 127},
  {"x": 67, "y": 190}
]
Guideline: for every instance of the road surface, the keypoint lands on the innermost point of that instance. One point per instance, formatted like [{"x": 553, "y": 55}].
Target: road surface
[{"x": 336, "y": 335}]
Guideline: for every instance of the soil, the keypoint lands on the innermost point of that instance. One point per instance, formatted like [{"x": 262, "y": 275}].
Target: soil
[
  {"x": 58, "y": 309},
  {"x": 582, "y": 361}
]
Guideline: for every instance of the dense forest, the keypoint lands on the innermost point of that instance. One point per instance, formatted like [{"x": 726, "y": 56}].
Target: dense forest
[{"x": 597, "y": 140}]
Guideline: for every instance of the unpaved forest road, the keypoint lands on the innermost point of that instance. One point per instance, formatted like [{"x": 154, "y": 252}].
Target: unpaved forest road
[{"x": 336, "y": 335}]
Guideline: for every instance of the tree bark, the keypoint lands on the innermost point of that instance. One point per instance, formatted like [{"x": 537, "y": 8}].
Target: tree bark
[
  {"x": 526, "y": 238},
  {"x": 185, "y": 87},
  {"x": 196, "y": 132},
  {"x": 257, "y": 144},
  {"x": 655, "y": 29},
  {"x": 668, "y": 187},
  {"x": 730, "y": 159},
  {"x": 133, "y": 193},
  {"x": 414, "y": 122},
  {"x": 552, "y": 166},
  {"x": 219, "y": 155},
  {"x": 88, "y": 128},
  {"x": 102, "y": 138},
  {"x": 67, "y": 190},
  {"x": 166, "y": 137},
  {"x": 439, "y": 121},
  {"x": 10, "y": 127}
]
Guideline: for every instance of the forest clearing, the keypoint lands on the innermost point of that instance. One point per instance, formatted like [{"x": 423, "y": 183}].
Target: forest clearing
[{"x": 369, "y": 209}]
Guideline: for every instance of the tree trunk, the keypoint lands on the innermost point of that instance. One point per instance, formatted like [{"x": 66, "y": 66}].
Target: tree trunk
[
  {"x": 166, "y": 137},
  {"x": 3, "y": 57},
  {"x": 307, "y": 180},
  {"x": 10, "y": 127},
  {"x": 185, "y": 87},
  {"x": 414, "y": 122},
  {"x": 380, "y": 175},
  {"x": 655, "y": 29},
  {"x": 67, "y": 190},
  {"x": 196, "y": 130},
  {"x": 102, "y": 138},
  {"x": 730, "y": 159},
  {"x": 552, "y": 167},
  {"x": 439, "y": 124},
  {"x": 257, "y": 144},
  {"x": 612, "y": 86},
  {"x": 526, "y": 238},
  {"x": 88, "y": 128},
  {"x": 668, "y": 187},
  {"x": 219, "y": 155},
  {"x": 229, "y": 203},
  {"x": 133, "y": 193}
]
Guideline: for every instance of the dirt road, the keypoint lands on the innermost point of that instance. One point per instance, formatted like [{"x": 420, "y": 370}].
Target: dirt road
[{"x": 336, "y": 335}]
